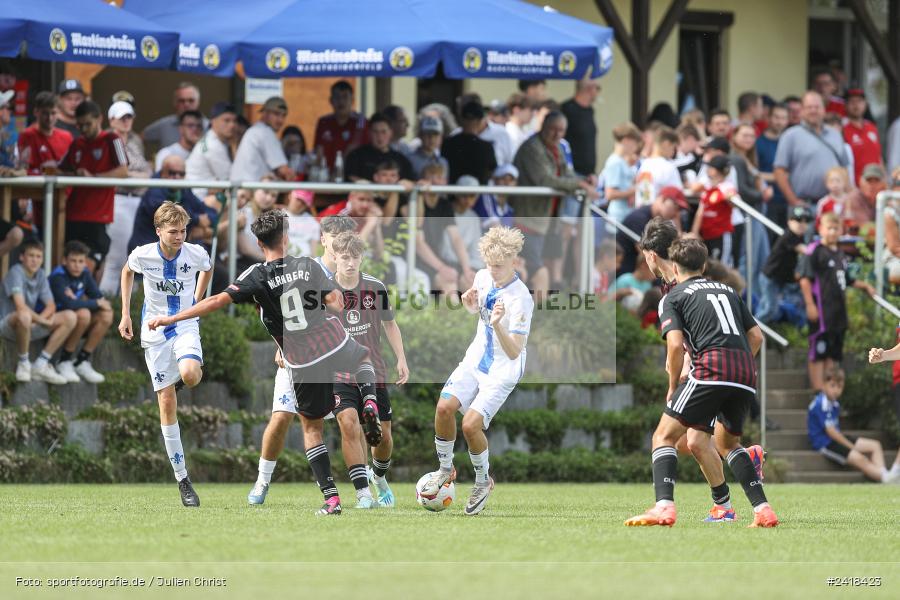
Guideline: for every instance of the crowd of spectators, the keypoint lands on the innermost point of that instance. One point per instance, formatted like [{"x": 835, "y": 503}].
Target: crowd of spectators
[{"x": 793, "y": 160}]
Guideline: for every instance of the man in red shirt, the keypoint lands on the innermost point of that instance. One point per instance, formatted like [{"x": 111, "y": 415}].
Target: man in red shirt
[
  {"x": 43, "y": 146},
  {"x": 862, "y": 135},
  {"x": 95, "y": 154},
  {"x": 342, "y": 130}
]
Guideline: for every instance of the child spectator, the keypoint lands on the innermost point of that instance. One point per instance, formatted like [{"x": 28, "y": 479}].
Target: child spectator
[
  {"x": 779, "y": 289},
  {"x": 494, "y": 209},
  {"x": 824, "y": 282},
  {"x": 460, "y": 246},
  {"x": 620, "y": 170},
  {"x": 28, "y": 312},
  {"x": 630, "y": 288},
  {"x": 303, "y": 228},
  {"x": 713, "y": 219},
  {"x": 688, "y": 156},
  {"x": 658, "y": 171},
  {"x": 838, "y": 183},
  {"x": 74, "y": 289},
  {"x": 825, "y": 436},
  {"x": 609, "y": 257}
]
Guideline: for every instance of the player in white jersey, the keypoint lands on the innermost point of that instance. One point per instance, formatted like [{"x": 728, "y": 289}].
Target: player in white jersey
[
  {"x": 173, "y": 354},
  {"x": 493, "y": 365}
]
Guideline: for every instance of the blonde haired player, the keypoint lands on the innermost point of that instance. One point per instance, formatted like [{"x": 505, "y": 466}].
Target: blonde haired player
[
  {"x": 492, "y": 366},
  {"x": 173, "y": 354}
]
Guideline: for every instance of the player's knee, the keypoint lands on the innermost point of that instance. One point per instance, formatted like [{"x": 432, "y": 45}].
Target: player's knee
[
  {"x": 279, "y": 423},
  {"x": 698, "y": 445},
  {"x": 445, "y": 409},
  {"x": 348, "y": 422},
  {"x": 191, "y": 374},
  {"x": 473, "y": 424}
]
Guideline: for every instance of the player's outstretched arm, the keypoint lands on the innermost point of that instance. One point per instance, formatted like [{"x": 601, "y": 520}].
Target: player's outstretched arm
[
  {"x": 204, "y": 307},
  {"x": 127, "y": 282}
]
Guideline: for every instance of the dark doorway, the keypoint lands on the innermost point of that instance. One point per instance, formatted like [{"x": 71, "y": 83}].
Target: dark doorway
[
  {"x": 700, "y": 59},
  {"x": 438, "y": 89}
]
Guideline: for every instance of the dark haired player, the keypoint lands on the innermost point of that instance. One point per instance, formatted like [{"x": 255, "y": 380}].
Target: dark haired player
[
  {"x": 723, "y": 339},
  {"x": 291, "y": 295},
  {"x": 655, "y": 242}
]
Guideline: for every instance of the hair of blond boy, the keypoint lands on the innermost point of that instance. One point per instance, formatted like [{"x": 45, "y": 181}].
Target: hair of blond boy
[
  {"x": 500, "y": 243},
  {"x": 829, "y": 218},
  {"x": 348, "y": 242},
  {"x": 625, "y": 131},
  {"x": 840, "y": 171},
  {"x": 170, "y": 213}
]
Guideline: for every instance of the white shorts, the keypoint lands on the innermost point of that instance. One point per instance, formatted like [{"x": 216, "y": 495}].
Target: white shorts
[
  {"x": 162, "y": 359},
  {"x": 283, "y": 398},
  {"x": 481, "y": 392}
]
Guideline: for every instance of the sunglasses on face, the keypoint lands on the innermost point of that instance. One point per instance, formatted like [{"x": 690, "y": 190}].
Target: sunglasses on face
[{"x": 174, "y": 174}]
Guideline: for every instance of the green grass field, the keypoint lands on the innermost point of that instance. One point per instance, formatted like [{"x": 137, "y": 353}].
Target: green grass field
[{"x": 533, "y": 541}]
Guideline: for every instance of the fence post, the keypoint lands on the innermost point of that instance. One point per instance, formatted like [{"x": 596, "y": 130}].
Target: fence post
[
  {"x": 879, "y": 242},
  {"x": 587, "y": 243},
  {"x": 49, "y": 189},
  {"x": 763, "y": 395},
  {"x": 412, "y": 219},
  {"x": 748, "y": 258},
  {"x": 232, "y": 237}
]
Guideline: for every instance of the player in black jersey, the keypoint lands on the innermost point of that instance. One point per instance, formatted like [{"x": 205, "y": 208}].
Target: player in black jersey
[
  {"x": 291, "y": 295},
  {"x": 723, "y": 339}
]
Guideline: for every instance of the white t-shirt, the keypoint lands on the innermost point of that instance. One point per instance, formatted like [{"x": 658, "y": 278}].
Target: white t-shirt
[
  {"x": 303, "y": 233},
  {"x": 663, "y": 173},
  {"x": 517, "y": 135},
  {"x": 210, "y": 159},
  {"x": 175, "y": 149},
  {"x": 169, "y": 286},
  {"x": 485, "y": 353},
  {"x": 468, "y": 224},
  {"x": 259, "y": 154}
]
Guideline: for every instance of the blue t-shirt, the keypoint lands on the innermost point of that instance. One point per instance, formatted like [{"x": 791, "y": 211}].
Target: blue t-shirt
[
  {"x": 492, "y": 213},
  {"x": 617, "y": 173},
  {"x": 628, "y": 280},
  {"x": 765, "y": 154},
  {"x": 822, "y": 413},
  {"x": 9, "y": 138}
]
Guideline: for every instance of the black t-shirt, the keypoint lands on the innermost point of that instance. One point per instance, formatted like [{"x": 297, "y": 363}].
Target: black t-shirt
[
  {"x": 715, "y": 322},
  {"x": 363, "y": 161},
  {"x": 635, "y": 221},
  {"x": 782, "y": 261},
  {"x": 827, "y": 269},
  {"x": 365, "y": 307},
  {"x": 468, "y": 154},
  {"x": 582, "y": 136},
  {"x": 290, "y": 296}
]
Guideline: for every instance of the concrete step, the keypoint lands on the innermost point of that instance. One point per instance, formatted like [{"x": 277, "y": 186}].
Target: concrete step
[
  {"x": 788, "y": 418},
  {"x": 797, "y": 439},
  {"x": 797, "y": 399},
  {"x": 792, "y": 358},
  {"x": 810, "y": 460},
  {"x": 787, "y": 379},
  {"x": 851, "y": 476}
]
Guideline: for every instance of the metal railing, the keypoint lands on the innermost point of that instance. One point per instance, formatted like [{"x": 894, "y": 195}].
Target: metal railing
[{"x": 880, "y": 201}]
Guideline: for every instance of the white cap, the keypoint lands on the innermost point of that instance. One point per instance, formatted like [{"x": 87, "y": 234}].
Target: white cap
[
  {"x": 6, "y": 97},
  {"x": 120, "y": 109},
  {"x": 506, "y": 169}
]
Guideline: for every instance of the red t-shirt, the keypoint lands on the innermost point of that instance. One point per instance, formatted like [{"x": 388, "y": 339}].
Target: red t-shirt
[
  {"x": 836, "y": 104},
  {"x": 896, "y": 365},
  {"x": 716, "y": 220},
  {"x": 338, "y": 208},
  {"x": 333, "y": 137},
  {"x": 865, "y": 144},
  {"x": 99, "y": 155},
  {"x": 41, "y": 148}
]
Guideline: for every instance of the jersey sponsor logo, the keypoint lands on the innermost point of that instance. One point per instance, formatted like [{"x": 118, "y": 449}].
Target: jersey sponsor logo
[
  {"x": 472, "y": 60},
  {"x": 77, "y": 156},
  {"x": 567, "y": 63},
  {"x": 173, "y": 287},
  {"x": 97, "y": 153},
  {"x": 149, "y": 48},
  {"x": 353, "y": 317},
  {"x": 278, "y": 60},
  {"x": 212, "y": 58},
  {"x": 666, "y": 323},
  {"x": 402, "y": 58},
  {"x": 58, "y": 41}
]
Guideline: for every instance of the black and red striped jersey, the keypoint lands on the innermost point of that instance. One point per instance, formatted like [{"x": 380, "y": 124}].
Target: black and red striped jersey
[
  {"x": 289, "y": 294},
  {"x": 365, "y": 307},
  {"x": 714, "y": 321}
]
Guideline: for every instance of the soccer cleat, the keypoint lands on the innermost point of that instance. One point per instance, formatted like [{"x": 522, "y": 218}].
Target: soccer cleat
[
  {"x": 259, "y": 492},
  {"x": 657, "y": 515},
  {"x": 758, "y": 456},
  {"x": 720, "y": 514},
  {"x": 478, "y": 498},
  {"x": 66, "y": 368},
  {"x": 764, "y": 518},
  {"x": 23, "y": 371},
  {"x": 434, "y": 484},
  {"x": 332, "y": 506},
  {"x": 385, "y": 496},
  {"x": 188, "y": 495},
  {"x": 367, "y": 502},
  {"x": 371, "y": 423},
  {"x": 87, "y": 372},
  {"x": 48, "y": 374}
]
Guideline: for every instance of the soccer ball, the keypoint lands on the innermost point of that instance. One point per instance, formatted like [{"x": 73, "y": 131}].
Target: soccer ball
[{"x": 444, "y": 498}]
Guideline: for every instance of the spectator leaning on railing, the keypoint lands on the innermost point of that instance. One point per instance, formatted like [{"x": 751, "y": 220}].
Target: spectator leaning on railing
[
  {"x": 466, "y": 152},
  {"x": 361, "y": 163},
  {"x": 431, "y": 135},
  {"x": 190, "y": 128},
  {"x": 260, "y": 152},
  {"x": 42, "y": 146},
  {"x": 211, "y": 158}
]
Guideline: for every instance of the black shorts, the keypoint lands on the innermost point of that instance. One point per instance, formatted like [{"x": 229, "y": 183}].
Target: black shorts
[
  {"x": 533, "y": 252},
  {"x": 697, "y": 405},
  {"x": 837, "y": 453},
  {"x": 5, "y": 228},
  {"x": 826, "y": 344},
  {"x": 92, "y": 234},
  {"x": 314, "y": 385},
  {"x": 714, "y": 247},
  {"x": 348, "y": 396}
]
